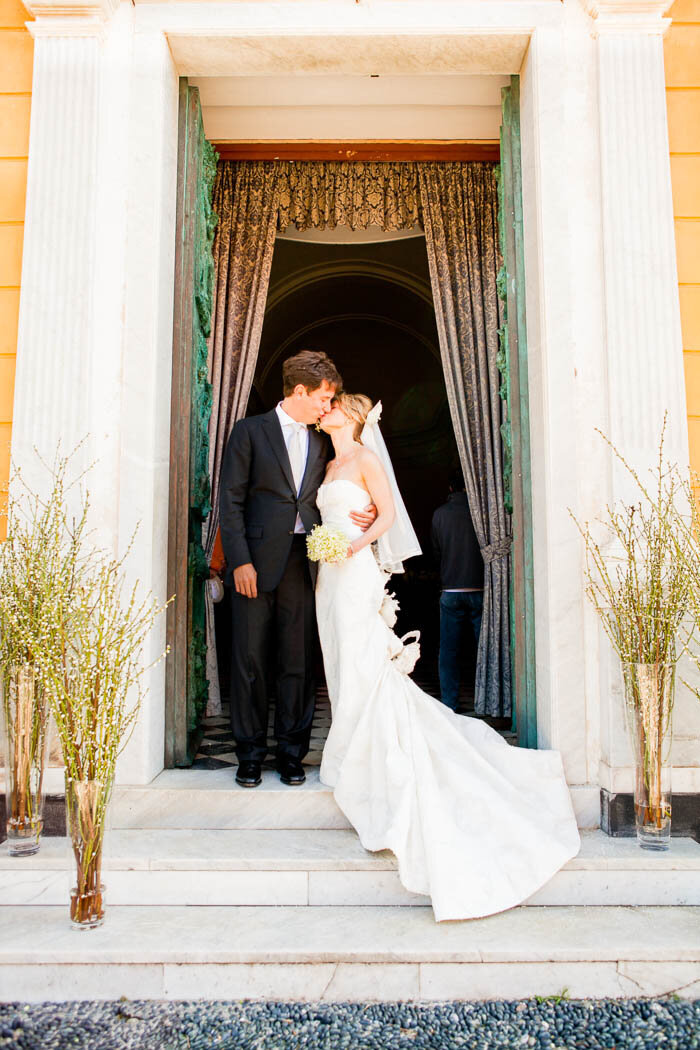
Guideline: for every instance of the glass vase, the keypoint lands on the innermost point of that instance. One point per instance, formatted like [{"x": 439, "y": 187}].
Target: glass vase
[
  {"x": 87, "y": 807},
  {"x": 649, "y": 694},
  {"x": 24, "y": 716}
]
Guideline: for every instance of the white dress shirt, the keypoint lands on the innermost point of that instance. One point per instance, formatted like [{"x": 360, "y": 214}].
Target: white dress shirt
[{"x": 290, "y": 427}]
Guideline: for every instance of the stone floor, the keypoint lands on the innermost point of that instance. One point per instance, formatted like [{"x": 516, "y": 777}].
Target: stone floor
[{"x": 216, "y": 750}]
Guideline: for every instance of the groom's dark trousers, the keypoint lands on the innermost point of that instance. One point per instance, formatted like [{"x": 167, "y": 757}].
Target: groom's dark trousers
[{"x": 273, "y": 634}]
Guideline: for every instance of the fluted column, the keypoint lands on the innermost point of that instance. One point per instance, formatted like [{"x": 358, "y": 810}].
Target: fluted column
[
  {"x": 95, "y": 340},
  {"x": 643, "y": 338},
  {"x": 644, "y": 347},
  {"x": 56, "y": 331}
]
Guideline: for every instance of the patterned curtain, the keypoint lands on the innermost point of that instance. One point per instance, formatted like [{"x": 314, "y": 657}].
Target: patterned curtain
[
  {"x": 358, "y": 194},
  {"x": 459, "y": 211},
  {"x": 245, "y": 200}
]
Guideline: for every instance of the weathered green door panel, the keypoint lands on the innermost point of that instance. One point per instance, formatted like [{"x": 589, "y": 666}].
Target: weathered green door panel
[
  {"x": 514, "y": 366},
  {"x": 186, "y": 683}
]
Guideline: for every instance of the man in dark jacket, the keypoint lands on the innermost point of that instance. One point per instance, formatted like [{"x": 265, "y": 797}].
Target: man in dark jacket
[
  {"x": 462, "y": 578},
  {"x": 272, "y": 468}
]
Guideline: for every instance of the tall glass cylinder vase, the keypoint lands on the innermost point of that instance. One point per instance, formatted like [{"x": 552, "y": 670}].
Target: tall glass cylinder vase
[
  {"x": 24, "y": 716},
  {"x": 649, "y": 694},
  {"x": 87, "y": 807}
]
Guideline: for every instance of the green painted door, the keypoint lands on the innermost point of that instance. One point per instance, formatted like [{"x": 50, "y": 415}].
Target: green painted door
[
  {"x": 186, "y": 683},
  {"x": 517, "y": 428}
]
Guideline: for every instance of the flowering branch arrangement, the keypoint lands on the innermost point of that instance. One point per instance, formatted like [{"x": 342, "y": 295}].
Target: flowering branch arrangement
[
  {"x": 637, "y": 578},
  {"x": 93, "y": 669},
  {"x": 42, "y": 549},
  {"x": 93, "y": 672},
  {"x": 688, "y": 554},
  {"x": 67, "y": 614},
  {"x": 643, "y": 579}
]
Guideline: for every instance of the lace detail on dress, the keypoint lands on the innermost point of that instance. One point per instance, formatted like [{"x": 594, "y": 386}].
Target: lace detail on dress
[
  {"x": 407, "y": 656},
  {"x": 389, "y": 609},
  {"x": 403, "y": 654}
]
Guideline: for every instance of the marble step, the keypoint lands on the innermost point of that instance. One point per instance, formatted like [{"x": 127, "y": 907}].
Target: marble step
[
  {"x": 325, "y": 868},
  {"x": 211, "y": 799},
  {"x": 348, "y": 953}
]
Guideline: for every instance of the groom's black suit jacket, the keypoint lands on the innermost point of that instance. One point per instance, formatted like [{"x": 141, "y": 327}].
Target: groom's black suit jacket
[{"x": 258, "y": 503}]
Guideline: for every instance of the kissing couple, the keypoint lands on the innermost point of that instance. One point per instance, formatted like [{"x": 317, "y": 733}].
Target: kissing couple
[{"x": 476, "y": 824}]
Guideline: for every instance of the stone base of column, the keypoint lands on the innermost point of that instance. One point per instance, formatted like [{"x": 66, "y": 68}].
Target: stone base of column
[
  {"x": 617, "y": 814},
  {"x": 54, "y": 817}
]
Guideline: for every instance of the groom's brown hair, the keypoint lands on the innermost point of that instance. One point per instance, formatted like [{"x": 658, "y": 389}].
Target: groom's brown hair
[{"x": 310, "y": 368}]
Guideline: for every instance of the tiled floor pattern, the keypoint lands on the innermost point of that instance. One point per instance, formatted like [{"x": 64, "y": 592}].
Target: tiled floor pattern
[
  {"x": 216, "y": 750},
  {"x": 217, "y": 747}
]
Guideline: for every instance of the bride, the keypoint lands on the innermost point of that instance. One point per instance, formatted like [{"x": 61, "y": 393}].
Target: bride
[{"x": 475, "y": 823}]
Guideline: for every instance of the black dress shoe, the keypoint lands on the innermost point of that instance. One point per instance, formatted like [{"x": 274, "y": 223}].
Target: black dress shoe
[
  {"x": 248, "y": 774},
  {"x": 291, "y": 771}
]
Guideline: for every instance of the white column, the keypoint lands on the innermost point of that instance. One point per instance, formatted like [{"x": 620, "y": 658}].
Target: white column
[
  {"x": 56, "y": 328},
  {"x": 144, "y": 452},
  {"x": 94, "y": 349},
  {"x": 57, "y": 317},
  {"x": 565, "y": 337},
  {"x": 644, "y": 347},
  {"x": 645, "y": 378}
]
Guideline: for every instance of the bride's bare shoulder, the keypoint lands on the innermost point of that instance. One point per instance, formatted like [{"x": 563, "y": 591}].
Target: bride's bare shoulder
[
  {"x": 371, "y": 466},
  {"x": 366, "y": 457}
]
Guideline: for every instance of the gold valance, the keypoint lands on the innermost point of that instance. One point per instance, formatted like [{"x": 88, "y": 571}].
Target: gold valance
[{"x": 325, "y": 194}]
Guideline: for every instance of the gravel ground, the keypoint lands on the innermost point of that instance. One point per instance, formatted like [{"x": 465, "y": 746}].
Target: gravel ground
[{"x": 666, "y": 1024}]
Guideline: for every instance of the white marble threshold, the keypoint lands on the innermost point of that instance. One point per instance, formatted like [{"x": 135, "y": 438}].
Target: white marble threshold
[
  {"x": 203, "y": 798},
  {"x": 211, "y": 799}
]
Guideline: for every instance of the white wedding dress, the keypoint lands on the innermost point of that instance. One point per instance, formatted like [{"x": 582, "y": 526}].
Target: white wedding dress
[{"x": 475, "y": 823}]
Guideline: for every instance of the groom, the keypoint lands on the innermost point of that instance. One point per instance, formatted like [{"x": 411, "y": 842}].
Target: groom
[{"x": 273, "y": 466}]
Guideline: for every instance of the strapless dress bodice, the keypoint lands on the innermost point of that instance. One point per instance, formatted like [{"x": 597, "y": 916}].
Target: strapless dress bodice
[{"x": 336, "y": 499}]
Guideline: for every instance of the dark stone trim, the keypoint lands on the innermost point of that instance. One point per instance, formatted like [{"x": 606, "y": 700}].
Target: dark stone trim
[
  {"x": 399, "y": 150},
  {"x": 54, "y": 816},
  {"x": 617, "y": 815}
]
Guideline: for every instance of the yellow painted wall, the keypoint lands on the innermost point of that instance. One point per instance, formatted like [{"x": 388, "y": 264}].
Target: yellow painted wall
[
  {"x": 16, "y": 52},
  {"x": 682, "y": 55}
]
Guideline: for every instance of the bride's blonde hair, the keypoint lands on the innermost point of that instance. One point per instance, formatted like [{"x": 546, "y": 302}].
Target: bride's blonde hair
[{"x": 356, "y": 407}]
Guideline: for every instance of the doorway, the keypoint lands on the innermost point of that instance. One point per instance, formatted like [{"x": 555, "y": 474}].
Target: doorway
[
  {"x": 366, "y": 300},
  {"x": 499, "y": 548}
]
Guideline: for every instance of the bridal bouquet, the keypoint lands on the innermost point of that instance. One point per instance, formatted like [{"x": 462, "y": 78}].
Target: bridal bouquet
[{"x": 325, "y": 544}]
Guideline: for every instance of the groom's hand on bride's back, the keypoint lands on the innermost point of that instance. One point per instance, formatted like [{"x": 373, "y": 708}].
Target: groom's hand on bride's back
[
  {"x": 245, "y": 580},
  {"x": 364, "y": 518}
]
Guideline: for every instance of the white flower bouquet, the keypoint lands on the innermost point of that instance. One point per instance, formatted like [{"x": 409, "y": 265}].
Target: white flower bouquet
[{"x": 326, "y": 544}]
